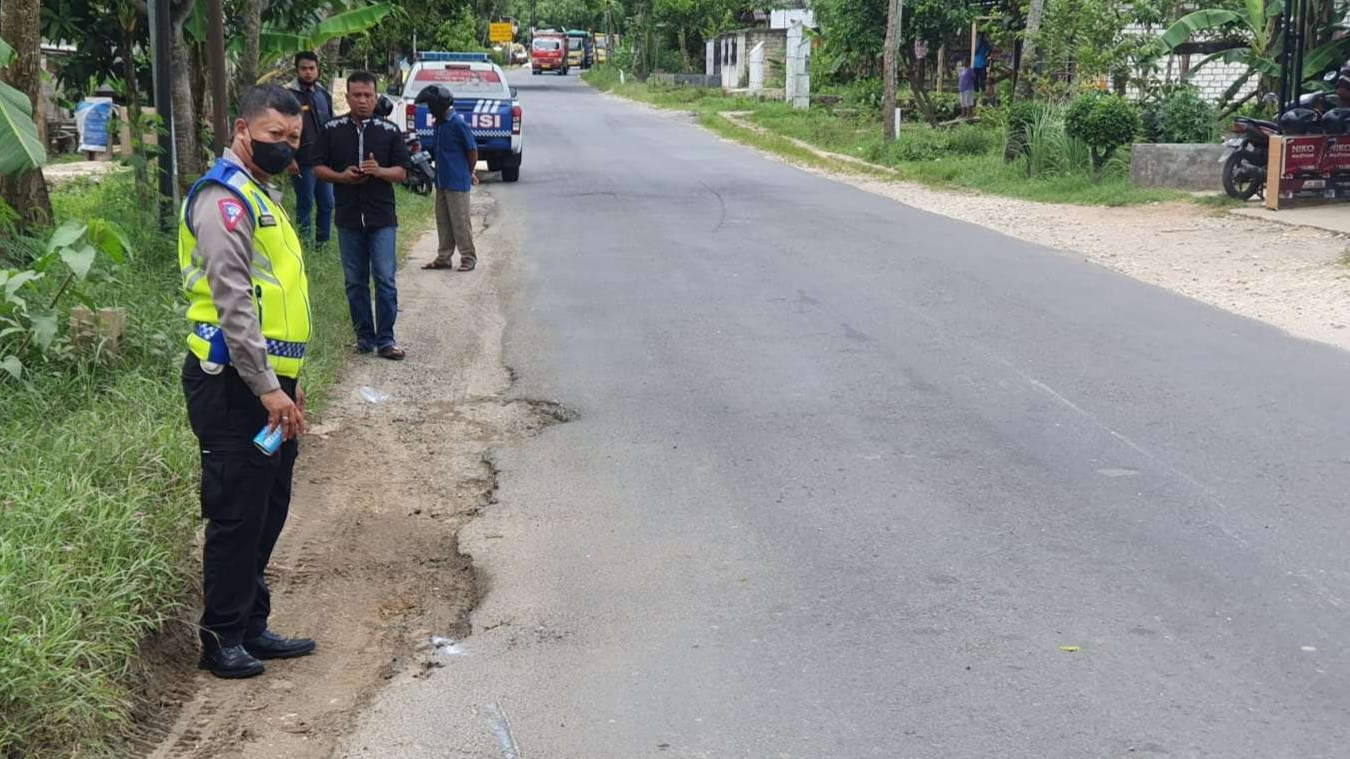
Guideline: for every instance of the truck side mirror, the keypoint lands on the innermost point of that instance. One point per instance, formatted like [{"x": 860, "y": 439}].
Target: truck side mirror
[{"x": 515, "y": 92}]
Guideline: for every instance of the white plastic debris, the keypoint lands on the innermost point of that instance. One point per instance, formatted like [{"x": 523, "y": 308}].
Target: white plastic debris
[
  {"x": 371, "y": 395},
  {"x": 447, "y": 647}
]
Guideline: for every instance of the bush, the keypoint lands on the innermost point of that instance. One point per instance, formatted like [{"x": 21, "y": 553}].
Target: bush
[
  {"x": 925, "y": 145},
  {"x": 1021, "y": 116},
  {"x": 970, "y": 140},
  {"x": 863, "y": 94},
  {"x": 1048, "y": 148},
  {"x": 913, "y": 145},
  {"x": 1102, "y": 121},
  {"x": 1185, "y": 117},
  {"x": 946, "y": 105}
]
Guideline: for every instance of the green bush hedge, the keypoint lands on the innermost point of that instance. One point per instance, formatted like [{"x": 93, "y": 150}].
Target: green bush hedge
[
  {"x": 1104, "y": 122},
  {"x": 1179, "y": 116}
]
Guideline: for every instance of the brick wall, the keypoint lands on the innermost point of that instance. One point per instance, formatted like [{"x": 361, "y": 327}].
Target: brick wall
[
  {"x": 1212, "y": 80},
  {"x": 1215, "y": 79}
]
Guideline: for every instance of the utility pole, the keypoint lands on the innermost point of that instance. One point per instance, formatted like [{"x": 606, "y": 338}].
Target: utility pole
[
  {"x": 890, "y": 61},
  {"x": 159, "y": 54},
  {"x": 215, "y": 57}
]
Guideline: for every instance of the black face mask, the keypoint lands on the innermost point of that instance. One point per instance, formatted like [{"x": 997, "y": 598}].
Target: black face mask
[{"x": 271, "y": 157}]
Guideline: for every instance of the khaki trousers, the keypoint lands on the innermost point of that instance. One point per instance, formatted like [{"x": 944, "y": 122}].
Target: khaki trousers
[{"x": 455, "y": 226}]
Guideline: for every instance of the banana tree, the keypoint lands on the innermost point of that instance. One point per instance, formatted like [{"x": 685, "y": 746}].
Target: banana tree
[
  {"x": 20, "y": 148},
  {"x": 1249, "y": 37},
  {"x": 275, "y": 44}
]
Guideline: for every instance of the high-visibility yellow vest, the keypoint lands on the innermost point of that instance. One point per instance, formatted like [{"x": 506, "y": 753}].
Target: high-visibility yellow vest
[{"x": 280, "y": 287}]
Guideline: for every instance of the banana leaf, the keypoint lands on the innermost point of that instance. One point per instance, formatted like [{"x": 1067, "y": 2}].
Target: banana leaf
[
  {"x": 1194, "y": 23},
  {"x": 351, "y": 22},
  {"x": 274, "y": 44},
  {"x": 1235, "y": 88},
  {"x": 1256, "y": 13},
  {"x": 1326, "y": 57},
  {"x": 277, "y": 44},
  {"x": 20, "y": 148},
  {"x": 197, "y": 24},
  {"x": 1231, "y": 55}
]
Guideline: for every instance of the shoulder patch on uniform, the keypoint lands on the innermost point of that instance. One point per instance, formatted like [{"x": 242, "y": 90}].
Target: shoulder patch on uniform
[{"x": 231, "y": 212}]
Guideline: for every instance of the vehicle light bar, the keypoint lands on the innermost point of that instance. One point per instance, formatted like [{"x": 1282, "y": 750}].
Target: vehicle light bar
[{"x": 462, "y": 57}]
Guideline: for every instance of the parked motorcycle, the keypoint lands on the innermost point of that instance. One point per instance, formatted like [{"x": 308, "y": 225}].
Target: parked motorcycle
[
  {"x": 1247, "y": 153},
  {"x": 421, "y": 177}
]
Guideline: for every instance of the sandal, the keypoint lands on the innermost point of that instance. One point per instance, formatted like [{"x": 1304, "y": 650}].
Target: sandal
[
  {"x": 467, "y": 264},
  {"x": 438, "y": 265},
  {"x": 393, "y": 353}
]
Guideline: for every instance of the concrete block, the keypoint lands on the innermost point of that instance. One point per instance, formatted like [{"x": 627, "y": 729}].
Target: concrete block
[{"x": 1178, "y": 167}]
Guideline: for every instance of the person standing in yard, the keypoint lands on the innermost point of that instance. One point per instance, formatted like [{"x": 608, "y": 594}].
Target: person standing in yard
[
  {"x": 316, "y": 109},
  {"x": 456, "y": 174},
  {"x": 364, "y": 156},
  {"x": 248, "y": 308},
  {"x": 966, "y": 85},
  {"x": 982, "y": 52}
]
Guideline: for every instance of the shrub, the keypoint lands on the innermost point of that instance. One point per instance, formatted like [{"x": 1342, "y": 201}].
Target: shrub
[
  {"x": 863, "y": 94},
  {"x": 1104, "y": 123},
  {"x": 915, "y": 145},
  {"x": 1185, "y": 117},
  {"x": 1021, "y": 116},
  {"x": 970, "y": 140},
  {"x": 946, "y": 105}
]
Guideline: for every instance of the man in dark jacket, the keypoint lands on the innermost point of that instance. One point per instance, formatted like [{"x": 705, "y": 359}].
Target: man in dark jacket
[
  {"x": 365, "y": 157},
  {"x": 316, "y": 109}
]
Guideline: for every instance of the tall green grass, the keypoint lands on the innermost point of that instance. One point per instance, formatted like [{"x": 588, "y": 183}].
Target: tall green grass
[{"x": 98, "y": 504}]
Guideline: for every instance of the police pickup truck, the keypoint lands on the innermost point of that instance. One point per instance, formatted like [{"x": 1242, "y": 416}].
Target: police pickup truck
[{"x": 482, "y": 97}]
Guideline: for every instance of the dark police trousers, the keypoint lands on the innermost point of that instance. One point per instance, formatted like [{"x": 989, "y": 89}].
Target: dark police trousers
[{"x": 246, "y": 496}]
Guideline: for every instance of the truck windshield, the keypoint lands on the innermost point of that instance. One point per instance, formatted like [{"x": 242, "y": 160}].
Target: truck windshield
[
  {"x": 463, "y": 81},
  {"x": 547, "y": 45},
  {"x": 574, "y": 43}
]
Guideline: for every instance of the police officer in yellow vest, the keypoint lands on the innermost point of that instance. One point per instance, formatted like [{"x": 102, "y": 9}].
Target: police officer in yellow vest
[{"x": 249, "y": 319}]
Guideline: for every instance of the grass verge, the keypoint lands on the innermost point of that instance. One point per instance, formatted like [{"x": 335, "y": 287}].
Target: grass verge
[
  {"x": 966, "y": 157},
  {"x": 98, "y": 478}
]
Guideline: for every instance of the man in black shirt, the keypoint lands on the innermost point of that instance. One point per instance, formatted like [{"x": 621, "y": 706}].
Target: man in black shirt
[
  {"x": 364, "y": 157},
  {"x": 316, "y": 109}
]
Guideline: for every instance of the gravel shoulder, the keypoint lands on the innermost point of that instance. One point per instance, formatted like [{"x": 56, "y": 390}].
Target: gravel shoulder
[{"x": 1290, "y": 277}]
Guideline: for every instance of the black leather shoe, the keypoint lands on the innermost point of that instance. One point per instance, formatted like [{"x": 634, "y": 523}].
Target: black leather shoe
[
  {"x": 231, "y": 663},
  {"x": 269, "y": 645}
]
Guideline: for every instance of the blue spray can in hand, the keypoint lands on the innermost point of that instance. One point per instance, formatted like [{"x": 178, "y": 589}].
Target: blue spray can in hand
[{"x": 269, "y": 439}]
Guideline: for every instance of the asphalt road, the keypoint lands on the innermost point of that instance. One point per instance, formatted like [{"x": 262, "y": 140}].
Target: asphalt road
[{"x": 851, "y": 480}]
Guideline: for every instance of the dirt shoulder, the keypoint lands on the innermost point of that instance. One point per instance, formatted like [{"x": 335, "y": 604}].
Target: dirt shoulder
[
  {"x": 369, "y": 564},
  {"x": 1290, "y": 277}
]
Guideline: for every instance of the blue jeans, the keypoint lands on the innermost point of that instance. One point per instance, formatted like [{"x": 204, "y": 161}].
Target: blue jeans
[
  {"x": 309, "y": 192},
  {"x": 371, "y": 254}
]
